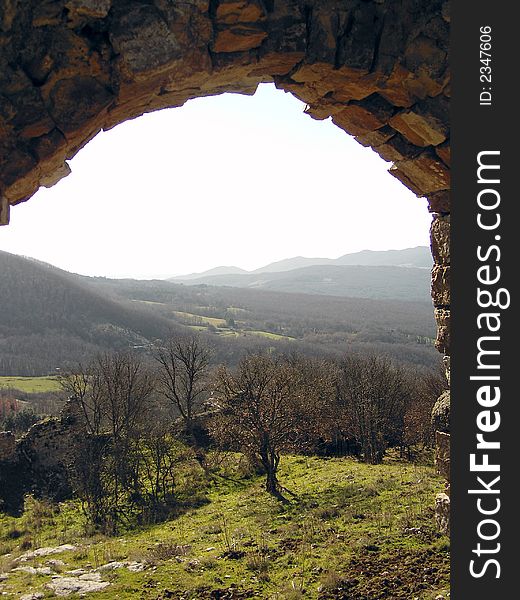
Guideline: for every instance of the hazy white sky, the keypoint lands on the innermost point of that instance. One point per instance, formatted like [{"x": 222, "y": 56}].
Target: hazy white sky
[{"x": 227, "y": 180}]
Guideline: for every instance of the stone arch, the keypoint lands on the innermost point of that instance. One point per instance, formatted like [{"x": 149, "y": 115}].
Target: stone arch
[{"x": 379, "y": 69}]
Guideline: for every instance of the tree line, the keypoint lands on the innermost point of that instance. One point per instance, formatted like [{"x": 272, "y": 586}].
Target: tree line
[{"x": 144, "y": 426}]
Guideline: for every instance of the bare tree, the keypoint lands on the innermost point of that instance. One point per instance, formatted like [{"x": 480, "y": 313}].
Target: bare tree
[
  {"x": 260, "y": 413},
  {"x": 426, "y": 389},
  {"x": 183, "y": 375},
  {"x": 77, "y": 384},
  {"x": 374, "y": 394},
  {"x": 112, "y": 397}
]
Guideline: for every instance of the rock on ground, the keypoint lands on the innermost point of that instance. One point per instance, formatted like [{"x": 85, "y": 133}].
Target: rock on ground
[
  {"x": 64, "y": 586},
  {"x": 46, "y": 552}
]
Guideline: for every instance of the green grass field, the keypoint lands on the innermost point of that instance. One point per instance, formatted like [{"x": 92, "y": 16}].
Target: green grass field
[
  {"x": 193, "y": 317},
  {"x": 271, "y": 336},
  {"x": 223, "y": 329},
  {"x": 30, "y": 384},
  {"x": 352, "y": 531}
]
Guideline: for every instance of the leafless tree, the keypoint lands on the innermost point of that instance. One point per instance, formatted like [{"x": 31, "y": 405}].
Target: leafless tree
[
  {"x": 260, "y": 412},
  {"x": 113, "y": 397},
  {"x": 426, "y": 387},
  {"x": 374, "y": 394},
  {"x": 183, "y": 375},
  {"x": 76, "y": 384}
]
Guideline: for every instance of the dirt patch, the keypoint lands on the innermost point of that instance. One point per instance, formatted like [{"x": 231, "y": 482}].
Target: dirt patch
[
  {"x": 231, "y": 593},
  {"x": 401, "y": 576}
]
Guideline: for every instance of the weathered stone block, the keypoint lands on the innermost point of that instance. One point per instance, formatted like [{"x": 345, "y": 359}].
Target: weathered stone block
[
  {"x": 442, "y": 318},
  {"x": 440, "y": 287},
  {"x": 398, "y": 148},
  {"x": 323, "y": 33},
  {"x": 426, "y": 172},
  {"x": 49, "y": 144},
  {"x": 440, "y": 240},
  {"x": 441, "y": 421},
  {"x": 444, "y": 153},
  {"x": 439, "y": 202},
  {"x": 361, "y": 117},
  {"x": 357, "y": 89},
  {"x": 4, "y": 210},
  {"x": 47, "y": 13},
  {"x": 357, "y": 50},
  {"x": 356, "y": 120},
  {"x": 95, "y": 9},
  {"x": 394, "y": 90},
  {"x": 30, "y": 117},
  {"x": 323, "y": 110},
  {"x": 239, "y": 26},
  {"x": 76, "y": 101},
  {"x": 421, "y": 130},
  {"x": 376, "y": 138},
  {"x": 328, "y": 81},
  {"x": 58, "y": 173},
  {"x": 398, "y": 174},
  {"x": 230, "y": 12},
  {"x": 442, "y": 512},
  {"x": 424, "y": 57},
  {"x": 144, "y": 42},
  {"x": 239, "y": 39},
  {"x": 15, "y": 163}
]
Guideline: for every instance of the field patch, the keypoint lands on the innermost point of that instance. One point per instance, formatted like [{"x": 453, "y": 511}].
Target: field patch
[{"x": 31, "y": 384}]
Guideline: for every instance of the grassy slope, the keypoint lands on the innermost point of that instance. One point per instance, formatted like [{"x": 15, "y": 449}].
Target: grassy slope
[{"x": 365, "y": 529}]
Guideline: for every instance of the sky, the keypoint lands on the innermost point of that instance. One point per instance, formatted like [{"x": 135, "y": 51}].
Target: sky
[{"x": 223, "y": 180}]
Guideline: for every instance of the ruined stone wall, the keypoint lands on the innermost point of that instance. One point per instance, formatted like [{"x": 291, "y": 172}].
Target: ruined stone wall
[{"x": 38, "y": 462}]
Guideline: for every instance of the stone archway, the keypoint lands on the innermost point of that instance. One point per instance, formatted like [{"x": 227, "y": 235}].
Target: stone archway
[{"x": 69, "y": 68}]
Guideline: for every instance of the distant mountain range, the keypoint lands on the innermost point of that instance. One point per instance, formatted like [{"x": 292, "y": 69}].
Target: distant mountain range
[
  {"x": 51, "y": 319},
  {"x": 396, "y": 274},
  {"x": 419, "y": 257}
]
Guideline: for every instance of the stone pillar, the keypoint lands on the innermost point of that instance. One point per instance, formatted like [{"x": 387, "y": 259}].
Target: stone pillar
[{"x": 440, "y": 289}]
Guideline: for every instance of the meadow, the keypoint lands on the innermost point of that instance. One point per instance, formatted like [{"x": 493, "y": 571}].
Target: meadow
[
  {"x": 30, "y": 385},
  {"x": 350, "y": 531}
]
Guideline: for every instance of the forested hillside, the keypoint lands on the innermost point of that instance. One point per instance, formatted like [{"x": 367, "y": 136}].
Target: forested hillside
[
  {"x": 49, "y": 318},
  {"x": 353, "y": 281},
  {"x": 52, "y": 319}
]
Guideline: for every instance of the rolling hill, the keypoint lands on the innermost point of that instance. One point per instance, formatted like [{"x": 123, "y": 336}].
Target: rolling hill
[
  {"x": 52, "y": 319},
  {"x": 49, "y": 318}
]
